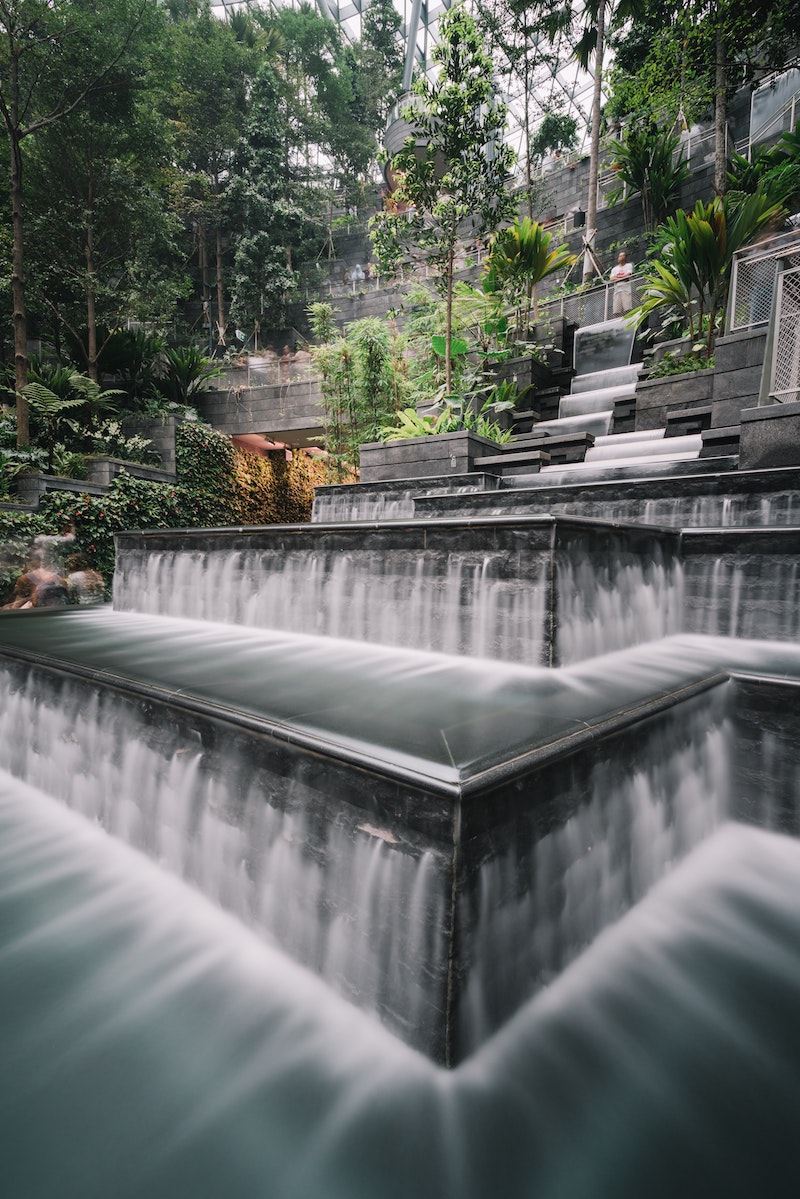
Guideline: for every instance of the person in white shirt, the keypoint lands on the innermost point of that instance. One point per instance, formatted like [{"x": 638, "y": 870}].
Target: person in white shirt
[{"x": 621, "y": 278}]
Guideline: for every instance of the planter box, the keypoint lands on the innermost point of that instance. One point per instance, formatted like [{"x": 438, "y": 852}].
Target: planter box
[
  {"x": 737, "y": 374},
  {"x": 770, "y": 436},
  {"x": 423, "y": 457},
  {"x": 656, "y": 397},
  {"x": 102, "y": 469},
  {"x": 161, "y": 431},
  {"x": 32, "y": 485},
  {"x": 527, "y": 373}
]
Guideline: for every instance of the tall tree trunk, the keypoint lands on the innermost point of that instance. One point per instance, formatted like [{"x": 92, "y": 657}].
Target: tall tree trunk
[
  {"x": 202, "y": 256},
  {"x": 527, "y": 135},
  {"x": 448, "y": 357},
  {"x": 91, "y": 307},
  {"x": 20, "y": 315},
  {"x": 594, "y": 148},
  {"x": 221, "y": 322},
  {"x": 720, "y": 109}
]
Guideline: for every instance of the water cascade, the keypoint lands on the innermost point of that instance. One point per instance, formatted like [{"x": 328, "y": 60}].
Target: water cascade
[
  {"x": 537, "y": 591},
  {"x": 315, "y": 812},
  {"x": 152, "y": 1046}
]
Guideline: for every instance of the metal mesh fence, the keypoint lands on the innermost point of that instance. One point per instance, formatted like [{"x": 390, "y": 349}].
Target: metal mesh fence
[
  {"x": 786, "y": 353},
  {"x": 599, "y": 304},
  {"x": 753, "y": 279}
]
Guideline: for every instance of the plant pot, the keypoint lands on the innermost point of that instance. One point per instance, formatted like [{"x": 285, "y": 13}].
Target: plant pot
[{"x": 423, "y": 457}]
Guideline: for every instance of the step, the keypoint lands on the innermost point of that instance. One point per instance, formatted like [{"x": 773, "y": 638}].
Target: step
[
  {"x": 595, "y": 401},
  {"x": 527, "y": 462},
  {"x": 642, "y": 435},
  {"x": 614, "y": 449},
  {"x": 688, "y": 420},
  {"x": 624, "y": 415},
  {"x": 722, "y": 440},
  {"x": 613, "y": 377},
  {"x": 596, "y": 423}
]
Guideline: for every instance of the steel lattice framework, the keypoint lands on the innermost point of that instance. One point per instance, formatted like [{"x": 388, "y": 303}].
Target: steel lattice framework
[{"x": 557, "y": 79}]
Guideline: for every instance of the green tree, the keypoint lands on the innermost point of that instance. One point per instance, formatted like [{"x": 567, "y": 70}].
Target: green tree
[
  {"x": 110, "y": 249},
  {"x": 264, "y": 212},
  {"x": 362, "y": 382},
  {"x": 54, "y": 55},
  {"x": 649, "y": 165},
  {"x": 454, "y": 173},
  {"x": 598, "y": 18},
  {"x": 207, "y": 106},
  {"x": 524, "y": 41},
  {"x": 380, "y": 62},
  {"x": 691, "y": 274},
  {"x": 676, "y": 62},
  {"x": 520, "y": 258}
]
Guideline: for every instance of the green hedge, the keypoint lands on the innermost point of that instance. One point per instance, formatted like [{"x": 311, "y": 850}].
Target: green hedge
[{"x": 218, "y": 485}]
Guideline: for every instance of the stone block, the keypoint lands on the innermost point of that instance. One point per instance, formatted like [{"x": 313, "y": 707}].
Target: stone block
[
  {"x": 770, "y": 436},
  {"x": 656, "y": 397},
  {"x": 736, "y": 351},
  {"x": 416, "y": 457}
]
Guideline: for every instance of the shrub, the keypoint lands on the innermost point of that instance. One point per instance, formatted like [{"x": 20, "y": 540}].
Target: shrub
[{"x": 218, "y": 485}]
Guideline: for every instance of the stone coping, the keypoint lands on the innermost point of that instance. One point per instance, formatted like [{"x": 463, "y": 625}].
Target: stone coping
[
  {"x": 475, "y": 481},
  {"x": 415, "y": 529},
  {"x": 770, "y": 412},
  {"x": 453, "y": 727}
]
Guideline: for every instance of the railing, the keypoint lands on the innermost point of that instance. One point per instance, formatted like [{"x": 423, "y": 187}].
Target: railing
[
  {"x": 596, "y": 304},
  {"x": 785, "y": 375},
  {"x": 754, "y": 276}
]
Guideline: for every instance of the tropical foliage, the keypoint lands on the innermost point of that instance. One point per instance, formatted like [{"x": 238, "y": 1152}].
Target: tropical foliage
[
  {"x": 690, "y": 276},
  {"x": 520, "y": 257},
  {"x": 456, "y": 167},
  {"x": 649, "y": 165}
]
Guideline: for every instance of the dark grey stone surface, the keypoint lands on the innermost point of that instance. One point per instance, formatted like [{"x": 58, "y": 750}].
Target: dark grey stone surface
[
  {"x": 103, "y": 469},
  {"x": 520, "y": 589},
  {"x": 499, "y": 851},
  {"x": 753, "y": 498},
  {"x": 419, "y": 457},
  {"x": 737, "y": 374},
  {"x": 743, "y": 582},
  {"x": 656, "y": 397},
  {"x": 32, "y": 485},
  {"x": 770, "y": 436},
  {"x": 291, "y": 411},
  {"x": 161, "y": 431}
]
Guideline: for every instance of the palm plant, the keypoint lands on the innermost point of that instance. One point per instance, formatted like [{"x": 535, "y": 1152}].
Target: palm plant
[
  {"x": 776, "y": 170},
  {"x": 692, "y": 273},
  {"x": 646, "y": 163},
  {"x": 185, "y": 371},
  {"x": 520, "y": 257}
]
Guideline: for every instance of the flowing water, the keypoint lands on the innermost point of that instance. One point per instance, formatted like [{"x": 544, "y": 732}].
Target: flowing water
[
  {"x": 478, "y": 603},
  {"x": 150, "y": 1046},
  {"x": 473, "y": 603}
]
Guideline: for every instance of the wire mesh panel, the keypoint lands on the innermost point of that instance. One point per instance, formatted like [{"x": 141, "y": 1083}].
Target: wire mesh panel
[
  {"x": 599, "y": 304},
  {"x": 786, "y": 353},
  {"x": 755, "y": 271}
]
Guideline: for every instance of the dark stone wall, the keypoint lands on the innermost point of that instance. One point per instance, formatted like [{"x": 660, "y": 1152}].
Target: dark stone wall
[
  {"x": 767, "y": 748},
  {"x": 770, "y": 436},
  {"x": 752, "y": 498},
  {"x": 547, "y": 862},
  {"x": 743, "y": 582},
  {"x": 540, "y": 591},
  {"x": 423, "y": 457},
  {"x": 656, "y": 397},
  {"x": 281, "y": 408},
  {"x": 737, "y": 381}
]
